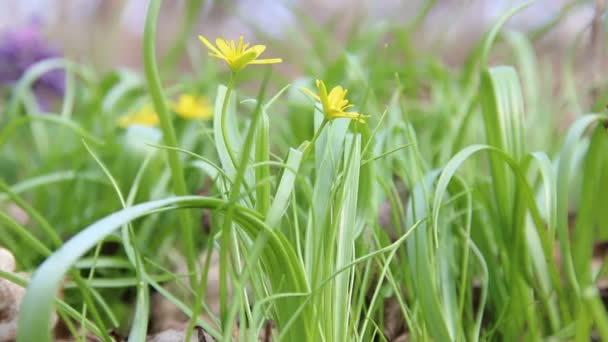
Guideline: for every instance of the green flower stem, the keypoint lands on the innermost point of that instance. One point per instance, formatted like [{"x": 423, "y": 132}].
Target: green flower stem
[
  {"x": 201, "y": 290},
  {"x": 225, "y": 237},
  {"x": 156, "y": 93},
  {"x": 312, "y": 142},
  {"x": 229, "y": 87},
  {"x": 223, "y": 123},
  {"x": 225, "y": 245}
]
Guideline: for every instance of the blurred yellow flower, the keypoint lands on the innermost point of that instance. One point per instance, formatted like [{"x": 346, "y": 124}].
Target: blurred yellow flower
[
  {"x": 145, "y": 116},
  {"x": 192, "y": 107},
  {"x": 335, "y": 103},
  {"x": 237, "y": 56}
]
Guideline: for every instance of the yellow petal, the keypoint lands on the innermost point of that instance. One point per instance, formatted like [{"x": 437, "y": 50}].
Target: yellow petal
[
  {"x": 240, "y": 48},
  {"x": 224, "y": 48},
  {"x": 242, "y": 61},
  {"x": 354, "y": 116},
  {"x": 258, "y": 49},
  {"x": 323, "y": 96},
  {"x": 335, "y": 96},
  {"x": 266, "y": 61},
  {"x": 217, "y": 56},
  {"x": 309, "y": 92},
  {"x": 144, "y": 117},
  {"x": 209, "y": 45}
]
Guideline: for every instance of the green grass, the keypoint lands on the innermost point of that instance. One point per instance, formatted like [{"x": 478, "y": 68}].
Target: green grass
[{"x": 472, "y": 161}]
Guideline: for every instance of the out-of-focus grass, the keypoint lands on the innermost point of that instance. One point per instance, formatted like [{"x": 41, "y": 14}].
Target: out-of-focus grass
[{"x": 479, "y": 183}]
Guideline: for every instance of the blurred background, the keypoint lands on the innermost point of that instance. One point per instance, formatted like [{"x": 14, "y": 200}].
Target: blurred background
[
  {"x": 567, "y": 37},
  {"x": 108, "y": 33}
]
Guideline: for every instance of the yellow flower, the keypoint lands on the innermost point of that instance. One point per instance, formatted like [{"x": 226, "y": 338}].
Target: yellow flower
[
  {"x": 146, "y": 116},
  {"x": 335, "y": 103},
  {"x": 237, "y": 56},
  {"x": 192, "y": 107}
]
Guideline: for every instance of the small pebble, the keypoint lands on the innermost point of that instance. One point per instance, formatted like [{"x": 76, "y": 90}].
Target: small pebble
[
  {"x": 10, "y": 299},
  {"x": 171, "y": 335},
  {"x": 7, "y": 260}
]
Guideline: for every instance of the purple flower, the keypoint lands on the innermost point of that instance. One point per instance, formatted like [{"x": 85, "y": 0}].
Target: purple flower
[{"x": 22, "y": 47}]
